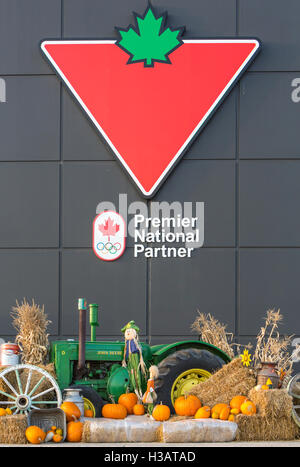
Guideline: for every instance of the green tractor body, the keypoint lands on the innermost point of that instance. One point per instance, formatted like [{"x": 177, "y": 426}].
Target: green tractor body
[{"x": 96, "y": 366}]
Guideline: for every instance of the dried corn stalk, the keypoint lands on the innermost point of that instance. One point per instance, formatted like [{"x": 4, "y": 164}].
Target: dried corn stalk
[
  {"x": 270, "y": 346},
  {"x": 213, "y": 332},
  {"x": 30, "y": 321}
]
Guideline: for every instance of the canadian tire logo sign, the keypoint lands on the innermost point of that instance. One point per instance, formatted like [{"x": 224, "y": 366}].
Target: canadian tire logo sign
[{"x": 150, "y": 92}]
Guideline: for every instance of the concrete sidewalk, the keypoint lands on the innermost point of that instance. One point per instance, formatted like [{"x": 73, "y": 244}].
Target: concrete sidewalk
[{"x": 235, "y": 444}]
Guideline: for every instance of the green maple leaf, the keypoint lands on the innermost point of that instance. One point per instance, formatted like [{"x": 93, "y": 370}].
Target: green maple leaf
[{"x": 150, "y": 41}]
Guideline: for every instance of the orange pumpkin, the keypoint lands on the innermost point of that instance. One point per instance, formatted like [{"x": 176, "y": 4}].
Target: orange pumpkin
[
  {"x": 74, "y": 432},
  {"x": 128, "y": 400},
  {"x": 161, "y": 413},
  {"x": 248, "y": 408},
  {"x": 139, "y": 409},
  {"x": 187, "y": 405},
  {"x": 71, "y": 410},
  {"x": 35, "y": 435},
  {"x": 117, "y": 411},
  {"x": 88, "y": 413},
  {"x": 203, "y": 412},
  {"x": 237, "y": 401}
]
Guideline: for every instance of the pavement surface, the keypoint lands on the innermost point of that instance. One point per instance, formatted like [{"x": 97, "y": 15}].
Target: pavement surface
[{"x": 235, "y": 444}]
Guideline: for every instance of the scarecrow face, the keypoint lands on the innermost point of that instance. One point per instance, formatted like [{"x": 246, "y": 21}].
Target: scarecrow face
[{"x": 130, "y": 334}]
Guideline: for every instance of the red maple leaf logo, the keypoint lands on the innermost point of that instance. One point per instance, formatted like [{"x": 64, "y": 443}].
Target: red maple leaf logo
[{"x": 109, "y": 228}]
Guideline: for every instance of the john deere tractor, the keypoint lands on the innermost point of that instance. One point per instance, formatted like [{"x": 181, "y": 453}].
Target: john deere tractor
[{"x": 96, "y": 367}]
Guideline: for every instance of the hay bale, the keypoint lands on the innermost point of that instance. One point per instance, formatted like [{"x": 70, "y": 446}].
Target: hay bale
[
  {"x": 259, "y": 428},
  {"x": 231, "y": 380},
  {"x": 274, "y": 403},
  {"x": 12, "y": 429}
]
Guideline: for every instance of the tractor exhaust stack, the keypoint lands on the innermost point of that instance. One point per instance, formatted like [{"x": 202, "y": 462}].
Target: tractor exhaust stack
[{"x": 82, "y": 307}]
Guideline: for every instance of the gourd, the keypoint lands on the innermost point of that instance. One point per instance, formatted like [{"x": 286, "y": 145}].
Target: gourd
[
  {"x": 138, "y": 409},
  {"x": 74, "y": 432},
  {"x": 231, "y": 418},
  {"x": 248, "y": 408},
  {"x": 128, "y": 400},
  {"x": 117, "y": 411},
  {"x": 58, "y": 438},
  {"x": 203, "y": 412},
  {"x": 71, "y": 410},
  {"x": 236, "y": 403},
  {"x": 35, "y": 435},
  {"x": 220, "y": 411},
  {"x": 187, "y": 405},
  {"x": 161, "y": 412}
]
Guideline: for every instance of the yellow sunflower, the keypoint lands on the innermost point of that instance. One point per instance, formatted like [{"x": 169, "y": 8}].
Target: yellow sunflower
[{"x": 246, "y": 358}]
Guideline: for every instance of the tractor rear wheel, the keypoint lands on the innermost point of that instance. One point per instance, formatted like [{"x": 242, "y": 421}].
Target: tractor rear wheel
[
  {"x": 179, "y": 372},
  {"x": 92, "y": 400}
]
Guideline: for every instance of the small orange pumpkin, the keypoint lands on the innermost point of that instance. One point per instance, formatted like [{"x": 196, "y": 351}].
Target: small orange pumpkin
[
  {"x": 248, "y": 408},
  {"x": 203, "y": 412},
  {"x": 220, "y": 411},
  {"x": 35, "y": 435},
  {"x": 88, "y": 413},
  {"x": 161, "y": 412},
  {"x": 58, "y": 438},
  {"x": 128, "y": 400},
  {"x": 187, "y": 405},
  {"x": 71, "y": 410},
  {"x": 138, "y": 409},
  {"x": 74, "y": 432},
  {"x": 116, "y": 411}
]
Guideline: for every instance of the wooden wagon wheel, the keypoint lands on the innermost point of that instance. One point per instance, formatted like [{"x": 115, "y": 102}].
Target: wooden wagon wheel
[
  {"x": 296, "y": 397},
  {"x": 23, "y": 396}
]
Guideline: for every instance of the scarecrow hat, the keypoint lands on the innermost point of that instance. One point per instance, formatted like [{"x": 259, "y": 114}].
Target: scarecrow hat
[{"x": 131, "y": 325}]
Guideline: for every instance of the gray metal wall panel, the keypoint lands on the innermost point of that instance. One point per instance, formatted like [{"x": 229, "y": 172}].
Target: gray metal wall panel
[
  {"x": 30, "y": 274},
  {"x": 269, "y": 119},
  {"x": 276, "y": 23},
  {"x": 30, "y": 119},
  {"x": 22, "y": 26},
  {"x": 29, "y": 205},
  {"x": 118, "y": 287}
]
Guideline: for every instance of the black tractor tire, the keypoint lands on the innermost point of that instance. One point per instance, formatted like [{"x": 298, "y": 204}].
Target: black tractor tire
[
  {"x": 179, "y": 362},
  {"x": 92, "y": 396}
]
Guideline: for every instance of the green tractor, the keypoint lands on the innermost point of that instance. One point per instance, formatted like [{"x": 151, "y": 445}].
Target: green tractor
[{"x": 96, "y": 367}]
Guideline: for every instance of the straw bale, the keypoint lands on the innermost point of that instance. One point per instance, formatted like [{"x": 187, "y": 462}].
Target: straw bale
[
  {"x": 259, "y": 428},
  {"x": 12, "y": 429},
  {"x": 231, "y": 380},
  {"x": 272, "y": 403}
]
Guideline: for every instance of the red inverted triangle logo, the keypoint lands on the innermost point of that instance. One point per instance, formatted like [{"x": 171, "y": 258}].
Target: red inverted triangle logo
[{"x": 150, "y": 116}]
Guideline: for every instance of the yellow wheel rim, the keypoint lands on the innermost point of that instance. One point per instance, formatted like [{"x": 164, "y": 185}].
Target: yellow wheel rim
[
  {"x": 185, "y": 382},
  {"x": 89, "y": 406}
]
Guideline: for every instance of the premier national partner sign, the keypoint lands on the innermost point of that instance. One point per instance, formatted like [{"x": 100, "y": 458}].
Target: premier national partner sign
[{"x": 151, "y": 92}]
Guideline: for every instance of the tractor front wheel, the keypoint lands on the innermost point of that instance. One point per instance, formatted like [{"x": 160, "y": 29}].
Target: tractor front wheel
[
  {"x": 92, "y": 400},
  {"x": 179, "y": 372}
]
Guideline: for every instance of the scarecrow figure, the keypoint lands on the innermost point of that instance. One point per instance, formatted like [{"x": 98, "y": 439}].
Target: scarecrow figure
[
  {"x": 133, "y": 358},
  {"x": 150, "y": 395}
]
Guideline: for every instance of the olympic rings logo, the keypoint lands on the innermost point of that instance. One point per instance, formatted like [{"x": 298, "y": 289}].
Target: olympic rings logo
[{"x": 108, "y": 247}]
